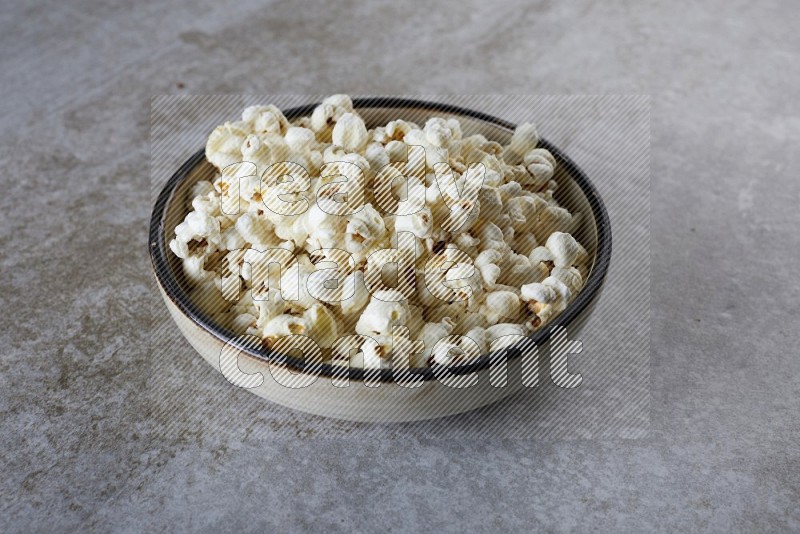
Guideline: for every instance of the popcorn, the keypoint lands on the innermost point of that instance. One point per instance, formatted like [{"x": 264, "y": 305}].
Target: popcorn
[
  {"x": 396, "y": 150},
  {"x": 445, "y": 134},
  {"x": 256, "y": 151},
  {"x": 355, "y": 292},
  {"x": 193, "y": 269},
  {"x": 350, "y": 133},
  {"x": 540, "y": 165},
  {"x": 433, "y": 153},
  {"x": 387, "y": 307},
  {"x": 524, "y": 243},
  {"x": 179, "y": 248},
  {"x": 487, "y": 263},
  {"x": 281, "y": 326},
  {"x": 431, "y": 333},
  {"x": 244, "y": 322},
  {"x": 323, "y": 229},
  {"x": 232, "y": 239},
  {"x": 321, "y": 324},
  {"x": 268, "y": 308},
  {"x": 201, "y": 225},
  {"x": 470, "y": 288},
  {"x": 537, "y": 292},
  {"x": 553, "y": 219},
  {"x": 518, "y": 270},
  {"x": 265, "y": 119},
  {"x": 545, "y": 300},
  {"x": 524, "y": 140},
  {"x": 481, "y": 263},
  {"x": 564, "y": 248},
  {"x": 364, "y": 233},
  {"x": 397, "y": 130},
  {"x": 477, "y": 335},
  {"x": 253, "y": 229},
  {"x": 207, "y": 204},
  {"x": 328, "y": 113},
  {"x": 377, "y": 156},
  {"x": 373, "y": 354},
  {"x": 224, "y": 145},
  {"x": 570, "y": 277},
  {"x": 420, "y": 223},
  {"x": 201, "y": 188},
  {"x": 501, "y": 305},
  {"x": 300, "y": 139}
]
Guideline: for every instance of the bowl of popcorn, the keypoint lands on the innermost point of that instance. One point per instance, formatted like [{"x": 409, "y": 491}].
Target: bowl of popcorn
[{"x": 379, "y": 259}]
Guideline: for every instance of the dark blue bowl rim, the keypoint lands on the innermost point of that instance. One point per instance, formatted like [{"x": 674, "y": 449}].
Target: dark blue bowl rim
[{"x": 180, "y": 297}]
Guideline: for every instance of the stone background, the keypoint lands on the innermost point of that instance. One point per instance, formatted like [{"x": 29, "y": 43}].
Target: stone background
[{"x": 85, "y": 440}]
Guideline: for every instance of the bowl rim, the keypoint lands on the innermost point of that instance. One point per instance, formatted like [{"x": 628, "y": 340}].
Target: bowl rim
[{"x": 181, "y": 299}]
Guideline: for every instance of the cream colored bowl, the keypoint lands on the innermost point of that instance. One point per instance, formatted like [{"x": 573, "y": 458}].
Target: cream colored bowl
[{"x": 376, "y": 397}]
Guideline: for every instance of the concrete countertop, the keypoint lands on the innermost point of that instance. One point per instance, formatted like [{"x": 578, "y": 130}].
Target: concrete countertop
[{"x": 97, "y": 434}]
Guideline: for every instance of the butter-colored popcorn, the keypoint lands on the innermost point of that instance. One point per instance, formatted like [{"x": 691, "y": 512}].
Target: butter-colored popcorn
[
  {"x": 570, "y": 277},
  {"x": 385, "y": 308},
  {"x": 350, "y": 133},
  {"x": 524, "y": 140},
  {"x": 224, "y": 145},
  {"x": 373, "y": 354},
  {"x": 325, "y": 116},
  {"x": 322, "y": 326},
  {"x": 486, "y": 269},
  {"x": 377, "y": 156},
  {"x": 420, "y": 223},
  {"x": 540, "y": 165},
  {"x": 545, "y": 300},
  {"x": 300, "y": 139},
  {"x": 431, "y": 333},
  {"x": 283, "y": 325},
  {"x": 564, "y": 248},
  {"x": 487, "y": 263},
  {"x": 501, "y": 305},
  {"x": 365, "y": 232},
  {"x": 254, "y": 229},
  {"x": 396, "y": 150},
  {"x": 265, "y": 119}
]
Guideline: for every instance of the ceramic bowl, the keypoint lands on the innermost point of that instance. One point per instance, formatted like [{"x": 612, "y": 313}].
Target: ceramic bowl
[{"x": 375, "y": 395}]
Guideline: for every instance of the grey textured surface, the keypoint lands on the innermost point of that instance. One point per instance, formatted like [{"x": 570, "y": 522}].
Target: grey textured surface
[{"x": 82, "y": 441}]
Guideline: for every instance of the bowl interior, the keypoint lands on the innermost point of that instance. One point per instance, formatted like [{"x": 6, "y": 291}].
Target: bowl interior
[{"x": 575, "y": 193}]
